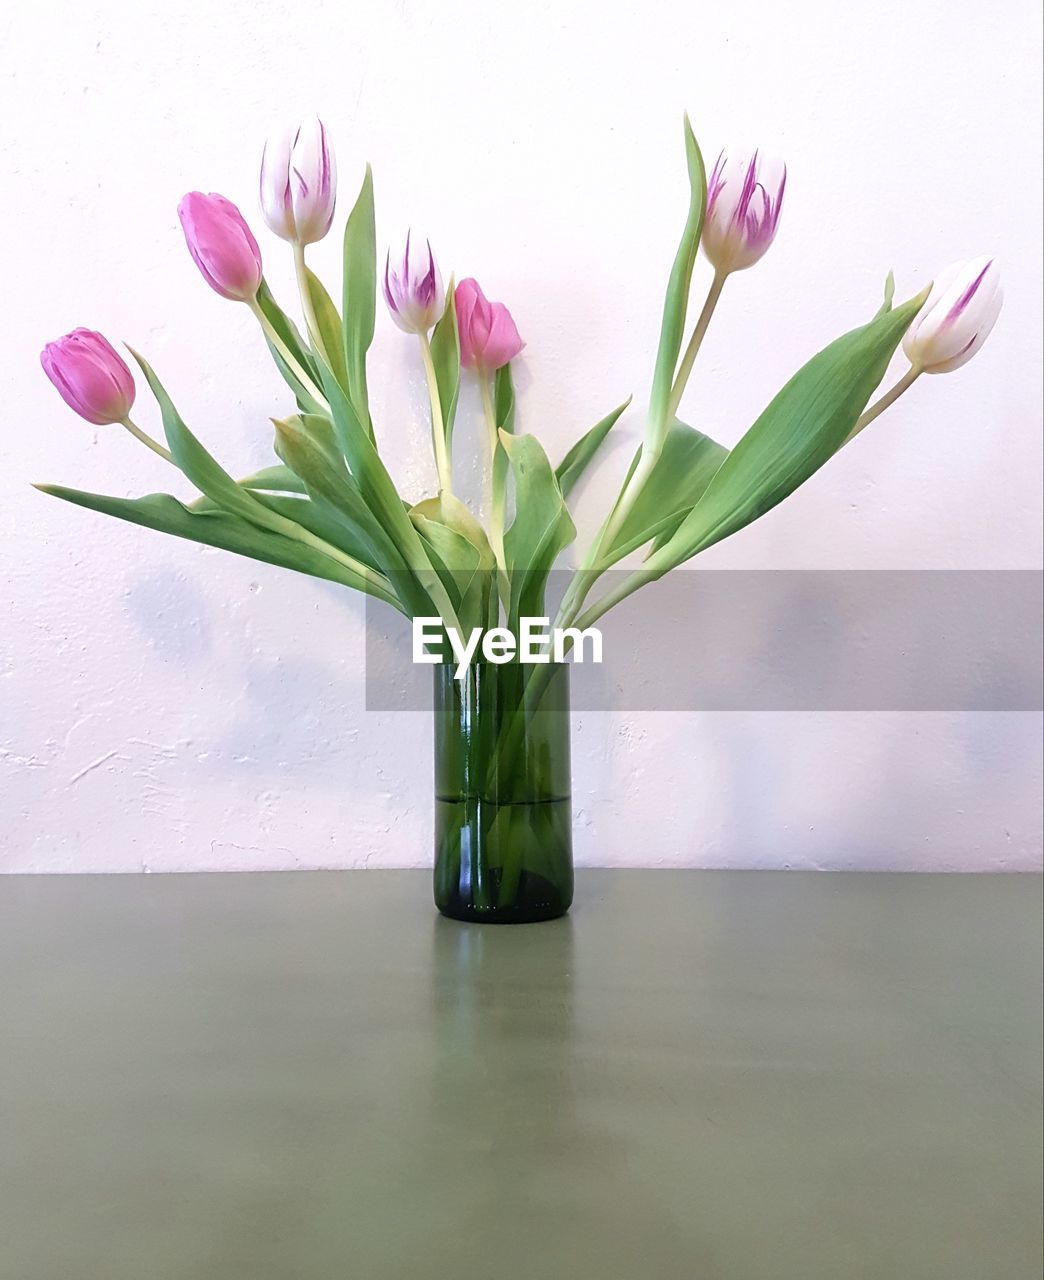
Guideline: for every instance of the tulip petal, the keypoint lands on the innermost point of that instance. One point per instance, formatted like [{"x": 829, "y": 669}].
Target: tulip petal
[
  {"x": 90, "y": 376},
  {"x": 414, "y": 291},
  {"x": 961, "y": 309}
]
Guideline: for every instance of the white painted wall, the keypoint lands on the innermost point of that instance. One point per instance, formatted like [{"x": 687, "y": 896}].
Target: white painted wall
[{"x": 164, "y": 707}]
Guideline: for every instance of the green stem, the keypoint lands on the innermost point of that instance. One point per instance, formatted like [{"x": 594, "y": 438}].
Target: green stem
[
  {"x": 146, "y": 439},
  {"x": 889, "y": 398},
  {"x": 439, "y": 443},
  {"x": 620, "y": 592},
  {"x": 597, "y": 561},
  {"x": 288, "y": 356},
  {"x": 497, "y": 487},
  {"x": 311, "y": 322},
  {"x": 689, "y": 358}
]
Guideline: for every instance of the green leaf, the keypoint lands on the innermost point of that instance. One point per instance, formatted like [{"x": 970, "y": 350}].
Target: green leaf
[
  {"x": 195, "y": 462},
  {"x": 268, "y": 480},
  {"x": 541, "y": 530},
  {"x": 378, "y": 490},
  {"x": 576, "y": 461},
  {"x": 676, "y": 483},
  {"x": 211, "y": 479},
  {"x": 450, "y": 513},
  {"x": 889, "y": 294},
  {"x": 359, "y": 302},
  {"x": 328, "y": 323},
  {"x": 806, "y": 423},
  {"x": 445, "y": 356},
  {"x": 504, "y": 399},
  {"x": 298, "y": 348},
  {"x": 504, "y": 417},
  {"x": 308, "y": 446},
  {"x": 672, "y": 329},
  {"x": 274, "y": 480},
  {"x": 461, "y": 549},
  {"x": 328, "y": 523},
  {"x": 223, "y": 529}
]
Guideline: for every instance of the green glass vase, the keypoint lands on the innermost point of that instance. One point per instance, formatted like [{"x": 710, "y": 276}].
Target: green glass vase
[{"x": 503, "y": 815}]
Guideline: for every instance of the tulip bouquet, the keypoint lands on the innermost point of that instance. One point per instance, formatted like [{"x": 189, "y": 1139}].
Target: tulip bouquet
[{"x": 329, "y": 507}]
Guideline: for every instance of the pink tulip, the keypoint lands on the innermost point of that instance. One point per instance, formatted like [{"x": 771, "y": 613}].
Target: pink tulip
[
  {"x": 221, "y": 245},
  {"x": 90, "y": 376},
  {"x": 742, "y": 216},
  {"x": 488, "y": 337}
]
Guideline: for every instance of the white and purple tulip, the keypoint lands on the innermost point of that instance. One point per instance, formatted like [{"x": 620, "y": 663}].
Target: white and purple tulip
[
  {"x": 299, "y": 182},
  {"x": 413, "y": 290},
  {"x": 956, "y": 320},
  {"x": 742, "y": 215}
]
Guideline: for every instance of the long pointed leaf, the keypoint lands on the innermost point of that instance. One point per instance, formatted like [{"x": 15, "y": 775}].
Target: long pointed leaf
[
  {"x": 541, "y": 529},
  {"x": 806, "y": 423},
  {"x": 359, "y": 301},
  {"x": 504, "y": 398},
  {"x": 672, "y": 329},
  {"x": 676, "y": 483},
  {"x": 308, "y": 446},
  {"x": 211, "y": 478},
  {"x": 279, "y": 479},
  {"x": 445, "y": 356},
  {"x": 296, "y": 345},
  {"x": 223, "y": 529},
  {"x": 329, "y": 325},
  {"x": 205, "y": 472},
  {"x": 378, "y": 489},
  {"x": 575, "y": 463},
  {"x": 317, "y": 517}
]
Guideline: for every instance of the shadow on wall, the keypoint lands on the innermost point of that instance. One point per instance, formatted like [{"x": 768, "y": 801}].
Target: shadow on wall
[
  {"x": 296, "y": 716},
  {"x": 171, "y": 612}
]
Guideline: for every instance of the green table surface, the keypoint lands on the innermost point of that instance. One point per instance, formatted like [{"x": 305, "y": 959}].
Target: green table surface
[{"x": 311, "y": 1076}]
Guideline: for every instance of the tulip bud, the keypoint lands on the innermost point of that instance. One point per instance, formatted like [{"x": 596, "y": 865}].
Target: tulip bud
[
  {"x": 741, "y": 217},
  {"x": 956, "y": 320},
  {"x": 488, "y": 337},
  {"x": 299, "y": 182},
  {"x": 414, "y": 291},
  {"x": 221, "y": 245},
  {"x": 90, "y": 376}
]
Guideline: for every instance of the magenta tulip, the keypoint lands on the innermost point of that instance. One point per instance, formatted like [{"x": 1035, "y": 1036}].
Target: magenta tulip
[
  {"x": 90, "y": 376},
  {"x": 221, "y": 245},
  {"x": 488, "y": 337}
]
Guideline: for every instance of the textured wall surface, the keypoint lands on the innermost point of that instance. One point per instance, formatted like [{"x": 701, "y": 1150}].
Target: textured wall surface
[{"x": 166, "y": 707}]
